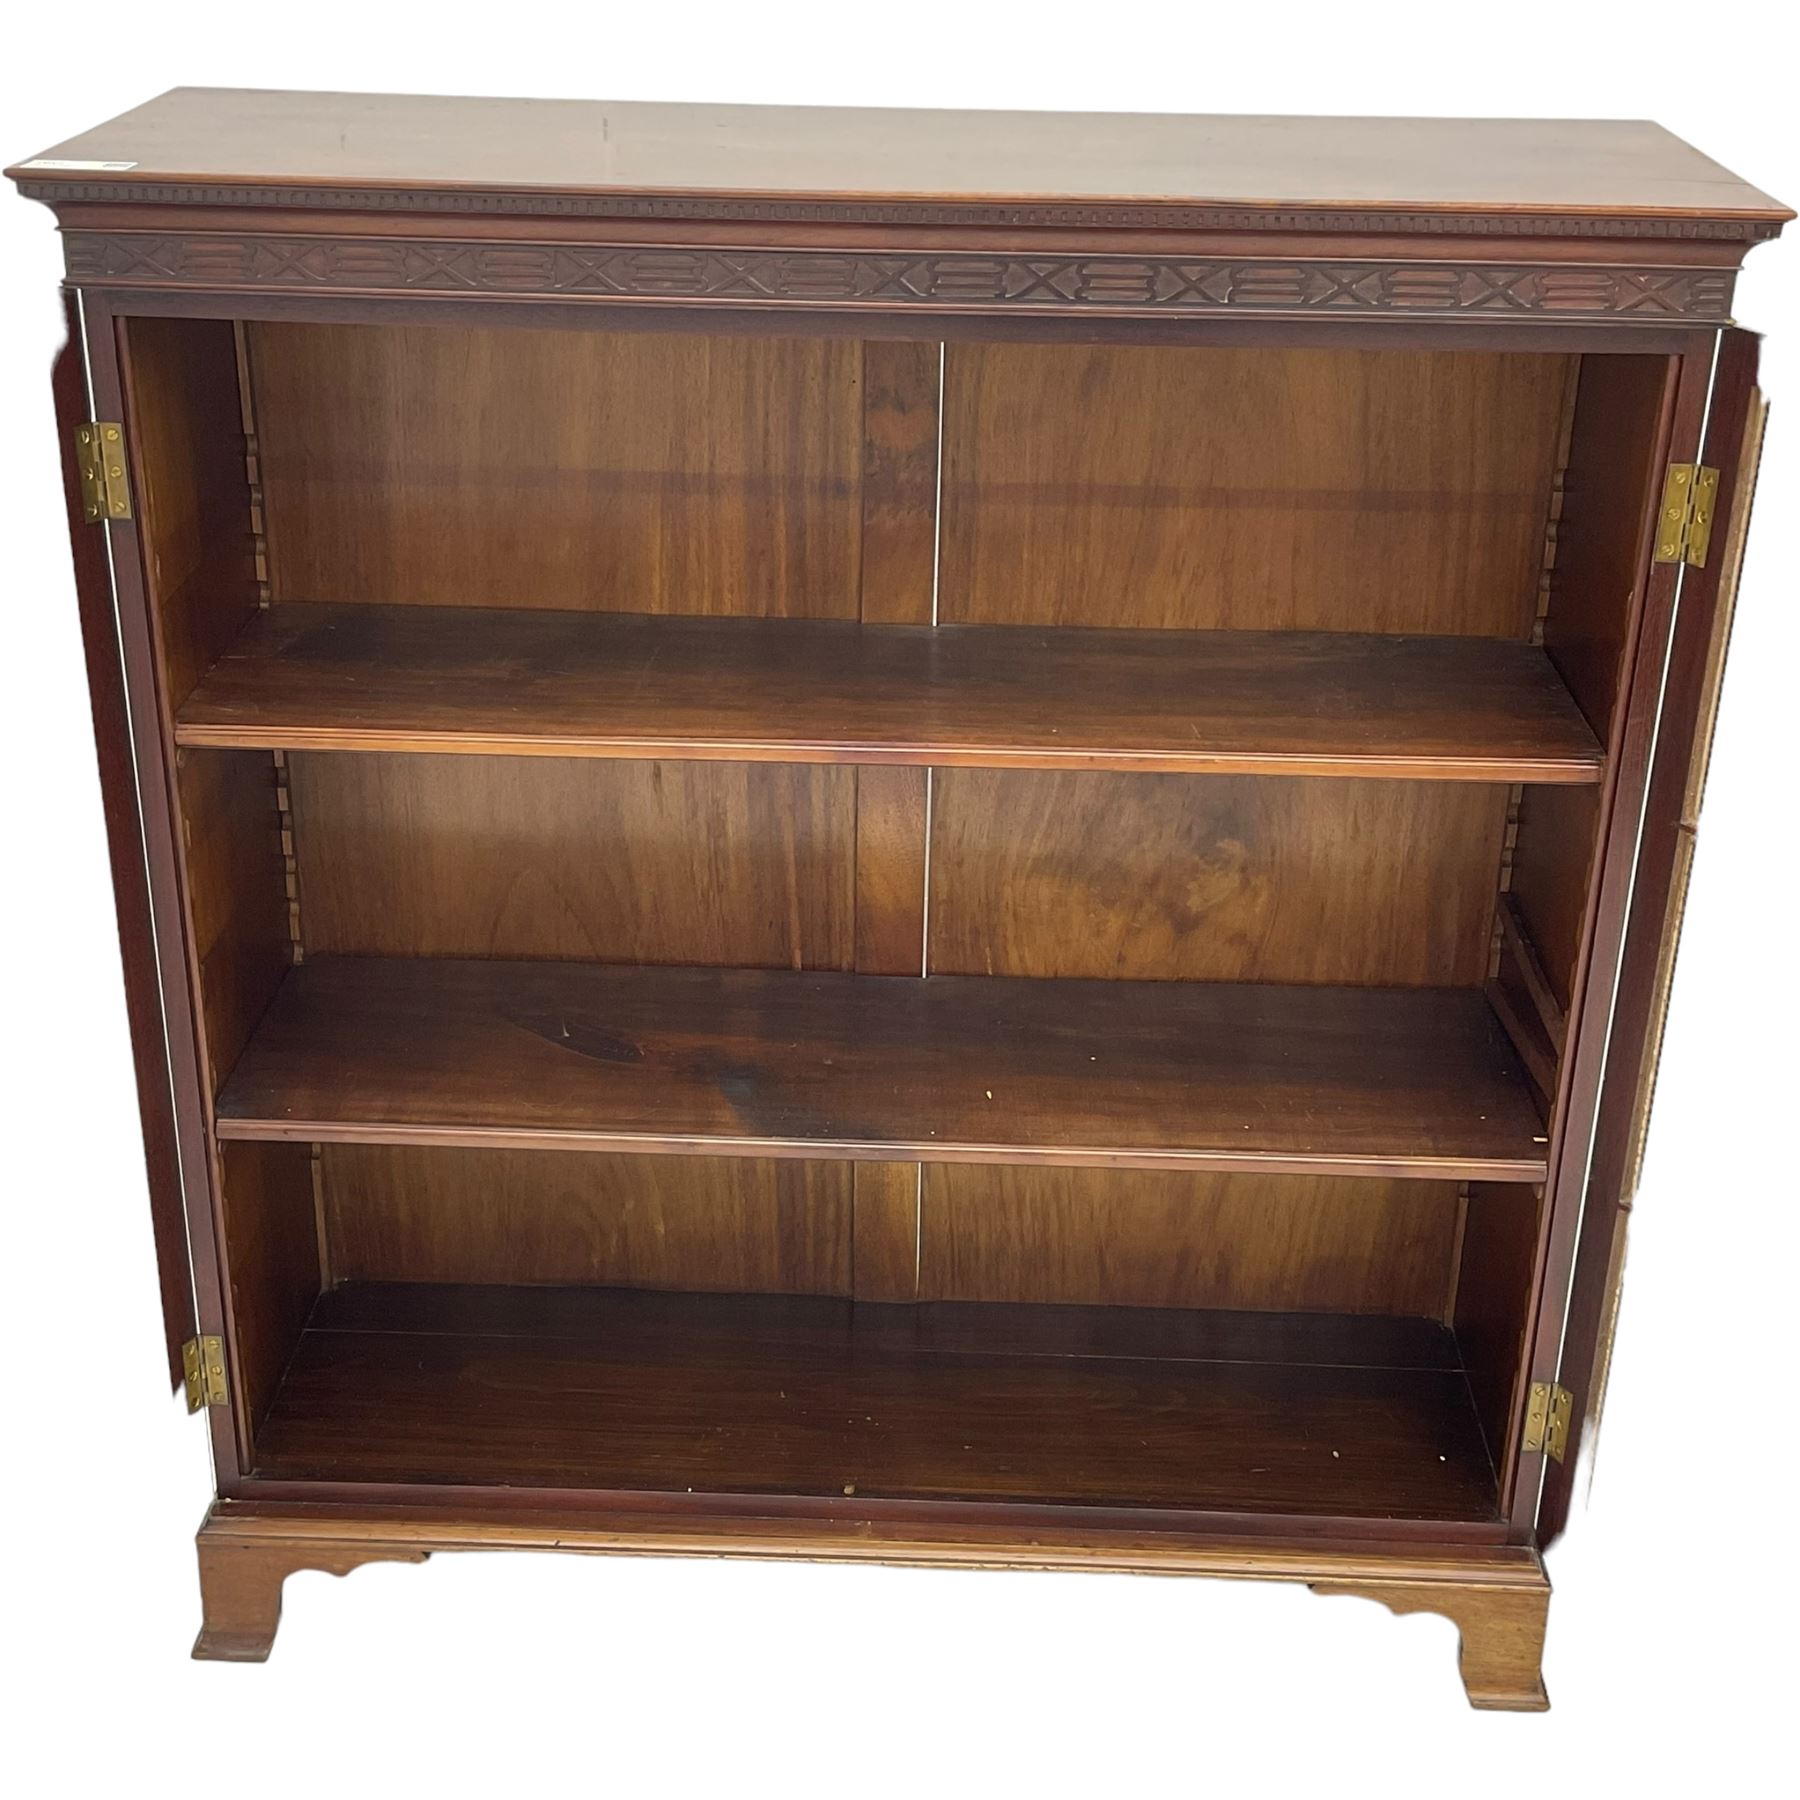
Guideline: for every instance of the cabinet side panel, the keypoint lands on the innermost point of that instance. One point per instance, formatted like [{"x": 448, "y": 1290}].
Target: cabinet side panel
[
  {"x": 1613, "y": 449},
  {"x": 1552, "y": 877},
  {"x": 710, "y": 863},
  {"x": 1247, "y": 489},
  {"x": 1260, "y": 1243},
  {"x": 612, "y": 472},
  {"x": 271, "y": 1260},
  {"x": 1213, "y": 878},
  {"x": 540, "y": 1217},
  {"x": 1493, "y": 1299},
  {"x": 237, "y": 893},
  {"x": 194, "y": 504}
]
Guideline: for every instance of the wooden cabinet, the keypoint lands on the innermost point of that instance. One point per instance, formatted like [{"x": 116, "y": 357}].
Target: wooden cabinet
[{"x": 904, "y": 837}]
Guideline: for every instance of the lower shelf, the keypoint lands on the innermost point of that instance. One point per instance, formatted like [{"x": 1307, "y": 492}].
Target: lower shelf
[{"x": 610, "y": 1389}]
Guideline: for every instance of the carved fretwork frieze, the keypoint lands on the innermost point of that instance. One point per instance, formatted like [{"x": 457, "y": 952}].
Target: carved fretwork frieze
[{"x": 947, "y": 280}]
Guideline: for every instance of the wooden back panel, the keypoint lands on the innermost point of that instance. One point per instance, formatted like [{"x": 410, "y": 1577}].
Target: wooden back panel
[
  {"x": 1213, "y": 878},
  {"x": 1082, "y": 1237},
  {"x": 1247, "y": 489},
  {"x": 735, "y": 864},
  {"x": 1129, "y": 1238},
  {"x": 608, "y": 471},
  {"x": 694, "y": 1223}
]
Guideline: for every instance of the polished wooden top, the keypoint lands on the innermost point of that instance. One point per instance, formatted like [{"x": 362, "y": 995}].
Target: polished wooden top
[{"x": 354, "y": 149}]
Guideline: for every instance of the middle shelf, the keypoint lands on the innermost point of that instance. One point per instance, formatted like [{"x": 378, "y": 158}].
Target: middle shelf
[
  {"x": 1419, "y": 1082},
  {"x": 521, "y": 682}
]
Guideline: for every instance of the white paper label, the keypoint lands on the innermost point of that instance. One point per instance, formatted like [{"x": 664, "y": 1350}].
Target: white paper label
[{"x": 57, "y": 162}]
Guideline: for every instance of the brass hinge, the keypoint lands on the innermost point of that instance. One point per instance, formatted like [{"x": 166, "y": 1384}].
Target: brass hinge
[
  {"x": 203, "y": 1372},
  {"x": 1684, "y": 526},
  {"x": 100, "y": 456},
  {"x": 1548, "y": 1414}
]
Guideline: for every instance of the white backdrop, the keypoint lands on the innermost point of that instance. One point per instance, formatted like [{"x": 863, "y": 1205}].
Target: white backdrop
[{"x": 1669, "y": 1651}]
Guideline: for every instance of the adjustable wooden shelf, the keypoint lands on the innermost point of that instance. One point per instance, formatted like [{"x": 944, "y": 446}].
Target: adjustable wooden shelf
[{"x": 908, "y": 837}]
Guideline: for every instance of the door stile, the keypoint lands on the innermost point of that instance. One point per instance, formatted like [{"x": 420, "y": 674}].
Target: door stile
[
  {"x": 1695, "y": 668},
  {"x": 158, "y": 814},
  {"x": 1630, "y": 755},
  {"x": 121, "y": 804}
]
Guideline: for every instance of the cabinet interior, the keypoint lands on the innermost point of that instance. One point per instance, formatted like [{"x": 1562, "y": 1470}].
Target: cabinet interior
[{"x": 1146, "y": 798}]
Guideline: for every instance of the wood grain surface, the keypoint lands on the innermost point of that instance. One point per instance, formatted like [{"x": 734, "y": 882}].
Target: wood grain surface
[
  {"x": 1120, "y": 1237},
  {"x": 615, "y": 472},
  {"x": 603, "y": 1390},
  {"x": 1415, "y": 1082},
  {"x": 234, "y": 876},
  {"x": 698, "y": 1223},
  {"x": 1251, "y": 878},
  {"x": 191, "y": 490},
  {"x": 625, "y": 862},
  {"x": 472, "y": 145},
  {"x": 1300, "y": 490},
  {"x": 563, "y": 683}
]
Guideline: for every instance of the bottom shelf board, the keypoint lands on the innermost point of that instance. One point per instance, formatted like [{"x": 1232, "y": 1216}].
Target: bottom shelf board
[{"x": 611, "y": 1389}]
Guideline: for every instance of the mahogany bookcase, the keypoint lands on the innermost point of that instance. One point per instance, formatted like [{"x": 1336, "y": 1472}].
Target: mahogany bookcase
[{"x": 929, "y": 838}]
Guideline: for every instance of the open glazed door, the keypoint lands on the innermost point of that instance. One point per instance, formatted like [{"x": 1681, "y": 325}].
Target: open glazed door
[
  {"x": 125, "y": 844},
  {"x": 1713, "y": 556}
]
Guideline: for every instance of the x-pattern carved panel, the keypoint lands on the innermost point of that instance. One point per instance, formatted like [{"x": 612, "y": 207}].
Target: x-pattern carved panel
[{"x": 951, "y": 280}]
